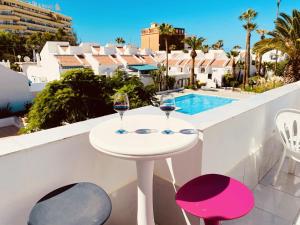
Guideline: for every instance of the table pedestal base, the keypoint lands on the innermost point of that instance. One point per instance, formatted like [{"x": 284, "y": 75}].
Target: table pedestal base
[
  {"x": 212, "y": 222},
  {"x": 145, "y": 192}
]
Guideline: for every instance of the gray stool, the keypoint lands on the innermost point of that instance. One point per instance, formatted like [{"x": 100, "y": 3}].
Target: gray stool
[{"x": 75, "y": 204}]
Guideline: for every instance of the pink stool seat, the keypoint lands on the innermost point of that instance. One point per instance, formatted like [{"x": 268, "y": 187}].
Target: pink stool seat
[{"x": 214, "y": 198}]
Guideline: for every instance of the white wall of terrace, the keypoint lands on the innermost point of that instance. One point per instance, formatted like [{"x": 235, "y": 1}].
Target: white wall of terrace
[{"x": 238, "y": 139}]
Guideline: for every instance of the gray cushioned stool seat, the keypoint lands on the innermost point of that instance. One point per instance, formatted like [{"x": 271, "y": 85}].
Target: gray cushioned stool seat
[{"x": 76, "y": 204}]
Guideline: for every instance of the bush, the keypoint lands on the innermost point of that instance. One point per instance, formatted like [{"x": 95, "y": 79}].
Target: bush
[
  {"x": 200, "y": 84},
  {"x": 281, "y": 67},
  {"x": 260, "y": 85},
  {"x": 170, "y": 82},
  {"x": 81, "y": 95},
  {"x": 138, "y": 94},
  {"x": 229, "y": 81},
  {"x": 6, "y": 111}
]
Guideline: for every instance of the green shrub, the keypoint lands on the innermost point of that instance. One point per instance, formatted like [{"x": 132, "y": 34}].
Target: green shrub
[
  {"x": 229, "y": 81},
  {"x": 138, "y": 94},
  {"x": 81, "y": 95},
  {"x": 260, "y": 85},
  {"x": 170, "y": 82},
  {"x": 200, "y": 84}
]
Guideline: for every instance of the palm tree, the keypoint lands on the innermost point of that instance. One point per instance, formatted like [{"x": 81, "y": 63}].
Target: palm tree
[
  {"x": 218, "y": 45},
  {"x": 234, "y": 52},
  {"x": 194, "y": 43},
  {"x": 120, "y": 40},
  {"x": 286, "y": 39},
  {"x": 166, "y": 30},
  {"x": 249, "y": 26},
  {"x": 205, "y": 48},
  {"x": 262, "y": 34},
  {"x": 277, "y": 15}
]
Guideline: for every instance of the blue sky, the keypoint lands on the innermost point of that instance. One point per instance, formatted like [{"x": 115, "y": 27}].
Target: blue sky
[{"x": 103, "y": 20}]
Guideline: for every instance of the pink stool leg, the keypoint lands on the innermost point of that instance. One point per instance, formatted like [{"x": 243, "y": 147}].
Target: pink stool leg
[{"x": 212, "y": 222}]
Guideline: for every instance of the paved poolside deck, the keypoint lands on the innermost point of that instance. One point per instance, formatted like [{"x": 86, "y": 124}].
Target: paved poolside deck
[{"x": 223, "y": 93}]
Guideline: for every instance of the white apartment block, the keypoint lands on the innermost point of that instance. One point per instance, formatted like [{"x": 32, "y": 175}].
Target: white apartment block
[
  {"x": 210, "y": 67},
  {"x": 58, "y": 57}
]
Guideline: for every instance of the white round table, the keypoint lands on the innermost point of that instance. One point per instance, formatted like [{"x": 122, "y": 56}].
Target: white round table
[{"x": 144, "y": 149}]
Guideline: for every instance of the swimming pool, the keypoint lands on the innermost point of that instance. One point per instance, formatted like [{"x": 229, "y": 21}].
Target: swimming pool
[{"x": 192, "y": 104}]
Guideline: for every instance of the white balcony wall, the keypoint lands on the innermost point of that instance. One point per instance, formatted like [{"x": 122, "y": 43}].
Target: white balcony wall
[
  {"x": 202, "y": 77},
  {"x": 218, "y": 74},
  {"x": 75, "y": 50},
  {"x": 146, "y": 51},
  {"x": 48, "y": 70},
  {"x": 14, "y": 89},
  {"x": 108, "y": 50},
  {"x": 52, "y": 47},
  {"x": 238, "y": 139},
  {"x": 107, "y": 70},
  {"x": 93, "y": 62},
  {"x": 130, "y": 50},
  {"x": 87, "y": 47},
  {"x": 243, "y": 142}
]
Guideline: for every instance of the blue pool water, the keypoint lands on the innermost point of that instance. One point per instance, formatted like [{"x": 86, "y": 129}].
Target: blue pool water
[{"x": 193, "y": 104}]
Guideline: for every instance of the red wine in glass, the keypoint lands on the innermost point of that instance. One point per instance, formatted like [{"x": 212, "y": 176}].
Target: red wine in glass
[
  {"x": 121, "y": 105},
  {"x": 121, "y": 108},
  {"x": 167, "y": 105}
]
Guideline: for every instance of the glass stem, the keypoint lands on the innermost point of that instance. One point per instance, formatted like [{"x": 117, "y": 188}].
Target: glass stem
[
  {"x": 121, "y": 118},
  {"x": 167, "y": 121}
]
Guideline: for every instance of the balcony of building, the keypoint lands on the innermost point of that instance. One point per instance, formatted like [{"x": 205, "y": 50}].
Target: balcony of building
[{"x": 239, "y": 140}]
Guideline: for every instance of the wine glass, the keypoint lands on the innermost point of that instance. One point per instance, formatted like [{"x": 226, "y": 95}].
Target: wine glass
[
  {"x": 121, "y": 105},
  {"x": 167, "y": 105}
]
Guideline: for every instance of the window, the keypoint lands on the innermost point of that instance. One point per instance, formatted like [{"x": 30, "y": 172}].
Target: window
[
  {"x": 209, "y": 76},
  {"x": 202, "y": 70}
]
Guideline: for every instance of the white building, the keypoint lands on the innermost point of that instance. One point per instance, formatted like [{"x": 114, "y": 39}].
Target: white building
[
  {"x": 14, "y": 89},
  {"x": 210, "y": 68},
  {"x": 271, "y": 56},
  {"x": 58, "y": 57}
]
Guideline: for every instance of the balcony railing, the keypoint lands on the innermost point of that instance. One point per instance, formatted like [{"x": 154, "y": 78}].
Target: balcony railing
[{"x": 238, "y": 140}]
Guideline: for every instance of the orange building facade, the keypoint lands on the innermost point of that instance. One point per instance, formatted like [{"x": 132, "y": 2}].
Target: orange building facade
[
  {"x": 152, "y": 39},
  {"x": 25, "y": 18}
]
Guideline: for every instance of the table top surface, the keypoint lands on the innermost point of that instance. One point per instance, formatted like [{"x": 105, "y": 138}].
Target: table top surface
[{"x": 138, "y": 145}]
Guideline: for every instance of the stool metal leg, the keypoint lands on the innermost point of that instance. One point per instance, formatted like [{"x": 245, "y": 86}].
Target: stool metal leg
[{"x": 212, "y": 222}]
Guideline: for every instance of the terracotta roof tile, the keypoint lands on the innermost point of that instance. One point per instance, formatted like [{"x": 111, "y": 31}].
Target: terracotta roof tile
[
  {"x": 148, "y": 59},
  {"x": 173, "y": 62},
  {"x": 184, "y": 62},
  {"x": 68, "y": 60},
  {"x": 104, "y": 60},
  {"x": 131, "y": 60},
  {"x": 206, "y": 62},
  {"x": 198, "y": 62},
  {"x": 84, "y": 61},
  {"x": 219, "y": 63}
]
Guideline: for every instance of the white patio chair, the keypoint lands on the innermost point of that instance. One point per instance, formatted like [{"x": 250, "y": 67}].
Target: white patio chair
[{"x": 288, "y": 125}]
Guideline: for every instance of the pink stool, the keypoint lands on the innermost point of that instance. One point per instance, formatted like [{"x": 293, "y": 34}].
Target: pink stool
[{"x": 215, "y": 198}]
